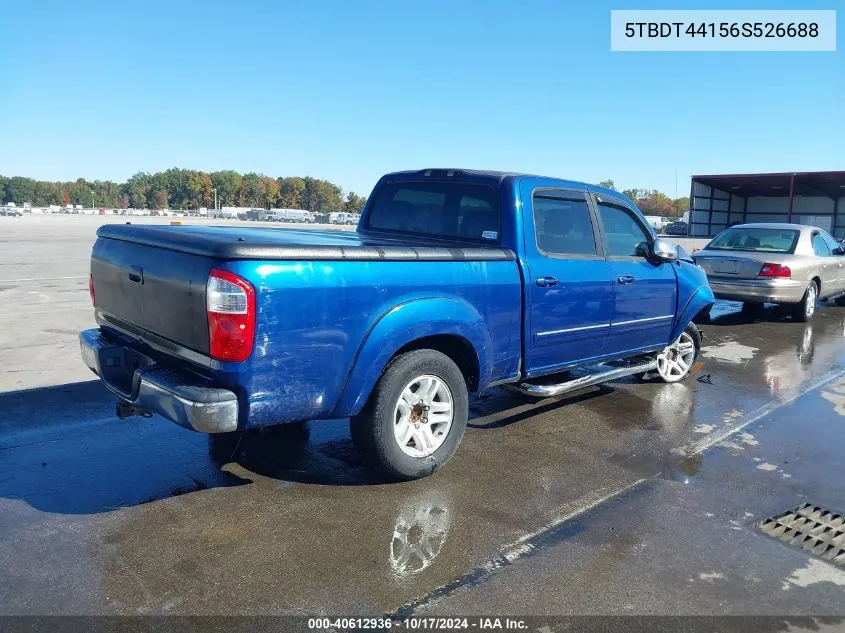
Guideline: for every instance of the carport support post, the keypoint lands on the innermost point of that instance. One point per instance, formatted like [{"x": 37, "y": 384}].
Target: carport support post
[
  {"x": 744, "y": 209},
  {"x": 710, "y": 213},
  {"x": 791, "y": 198},
  {"x": 835, "y": 213}
]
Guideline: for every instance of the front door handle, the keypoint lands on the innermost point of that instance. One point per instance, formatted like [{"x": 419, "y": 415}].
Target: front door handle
[
  {"x": 545, "y": 282},
  {"x": 625, "y": 279}
]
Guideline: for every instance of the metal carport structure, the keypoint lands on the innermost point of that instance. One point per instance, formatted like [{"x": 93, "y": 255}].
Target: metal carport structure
[{"x": 812, "y": 198}]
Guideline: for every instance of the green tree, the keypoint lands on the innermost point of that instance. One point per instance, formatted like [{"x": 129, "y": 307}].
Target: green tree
[
  {"x": 160, "y": 199},
  {"x": 634, "y": 194},
  {"x": 228, "y": 184},
  {"x": 354, "y": 203},
  {"x": 250, "y": 194},
  {"x": 608, "y": 184},
  {"x": 46, "y": 193},
  {"x": 20, "y": 190},
  {"x": 291, "y": 191}
]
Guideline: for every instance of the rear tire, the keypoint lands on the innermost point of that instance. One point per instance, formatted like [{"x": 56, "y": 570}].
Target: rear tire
[
  {"x": 840, "y": 301},
  {"x": 422, "y": 399},
  {"x": 804, "y": 310}
]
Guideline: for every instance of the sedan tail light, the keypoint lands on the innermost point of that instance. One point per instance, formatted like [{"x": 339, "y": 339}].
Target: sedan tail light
[
  {"x": 91, "y": 288},
  {"x": 775, "y": 270},
  {"x": 231, "y": 316}
]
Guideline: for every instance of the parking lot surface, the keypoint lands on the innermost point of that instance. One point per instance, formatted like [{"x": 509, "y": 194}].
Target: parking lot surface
[{"x": 625, "y": 499}]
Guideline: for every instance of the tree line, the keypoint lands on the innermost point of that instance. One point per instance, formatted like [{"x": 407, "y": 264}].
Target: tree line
[
  {"x": 653, "y": 202},
  {"x": 185, "y": 189},
  {"x": 190, "y": 189}
]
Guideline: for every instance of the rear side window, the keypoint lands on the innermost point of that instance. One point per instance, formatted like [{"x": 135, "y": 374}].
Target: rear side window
[
  {"x": 438, "y": 209},
  {"x": 820, "y": 247},
  {"x": 624, "y": 236},
  {"x": 563, "y": 226},
  {"x": 832, "y": 244},
  {"x": 756, "y": 240}
]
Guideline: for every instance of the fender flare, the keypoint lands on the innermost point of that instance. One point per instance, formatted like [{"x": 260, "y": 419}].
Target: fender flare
[
  {"x": 404, "y": 324},
  {"x": 698, "y": 300}
]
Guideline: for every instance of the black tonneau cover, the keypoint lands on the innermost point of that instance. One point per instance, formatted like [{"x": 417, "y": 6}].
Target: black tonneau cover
[{"x": 225, "y": 242}]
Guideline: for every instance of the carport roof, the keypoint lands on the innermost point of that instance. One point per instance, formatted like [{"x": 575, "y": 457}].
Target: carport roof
[{"x": 811, "y": 183}]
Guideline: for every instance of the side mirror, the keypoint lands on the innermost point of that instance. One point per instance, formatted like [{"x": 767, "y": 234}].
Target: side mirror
[{"x": 664, "y": 251}]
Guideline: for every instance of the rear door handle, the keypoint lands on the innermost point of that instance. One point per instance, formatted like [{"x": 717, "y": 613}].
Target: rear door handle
[
  {"x": 545, "y": 282},
  {"x": 625, "y": 279}
]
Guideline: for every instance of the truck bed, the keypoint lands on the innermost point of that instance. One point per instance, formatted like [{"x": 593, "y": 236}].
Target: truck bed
[{"x": 265, "y": 243}]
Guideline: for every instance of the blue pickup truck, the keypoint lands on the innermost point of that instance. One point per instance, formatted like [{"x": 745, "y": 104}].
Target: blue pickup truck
[{"x": 456, "y": 281}]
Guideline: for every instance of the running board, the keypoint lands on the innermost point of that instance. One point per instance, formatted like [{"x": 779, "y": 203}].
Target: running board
[{"x": 608, "y": 373}]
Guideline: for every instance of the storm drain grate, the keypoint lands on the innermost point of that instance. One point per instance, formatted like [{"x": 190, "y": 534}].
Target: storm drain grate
[{"x": 812, "y": 528}]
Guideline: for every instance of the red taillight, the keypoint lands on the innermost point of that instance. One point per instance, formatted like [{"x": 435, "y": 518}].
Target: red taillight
[
  {"x": 231, "y": 316},
  {"x": 91, "y": 287},
  {"x": 775, "y": 270}
]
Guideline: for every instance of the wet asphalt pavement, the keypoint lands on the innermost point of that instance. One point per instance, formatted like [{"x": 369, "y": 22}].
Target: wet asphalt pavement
[{"x": 625, "y": 499}]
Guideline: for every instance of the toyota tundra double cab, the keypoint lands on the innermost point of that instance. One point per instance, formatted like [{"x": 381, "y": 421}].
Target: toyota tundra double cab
[{"x": 455, "y": 282}]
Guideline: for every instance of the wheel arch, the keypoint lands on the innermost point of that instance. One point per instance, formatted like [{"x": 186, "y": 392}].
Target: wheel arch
[
  {"x": 700, "y": 300},
  {"x": 450, "y": 326}
]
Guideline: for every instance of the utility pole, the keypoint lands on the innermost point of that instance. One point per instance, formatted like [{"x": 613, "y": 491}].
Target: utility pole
[
  {"x": 215, "y": 198},
  {"x": 92, "y": 199}
]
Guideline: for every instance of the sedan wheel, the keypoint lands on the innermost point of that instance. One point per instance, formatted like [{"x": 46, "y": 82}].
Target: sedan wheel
[{"x": 805, "y": 310}]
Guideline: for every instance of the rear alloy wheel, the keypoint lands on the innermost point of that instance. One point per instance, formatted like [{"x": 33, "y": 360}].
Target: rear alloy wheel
[
  {"x": 804, "y": 310},
  {"x": 416, "y": 415},
  {"x": 676, "y": 361}
]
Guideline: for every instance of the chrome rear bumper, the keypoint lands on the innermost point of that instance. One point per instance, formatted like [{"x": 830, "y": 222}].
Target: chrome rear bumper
[
  {"x": 758, "y": 290},
  {"x": 139, "y": 383}
]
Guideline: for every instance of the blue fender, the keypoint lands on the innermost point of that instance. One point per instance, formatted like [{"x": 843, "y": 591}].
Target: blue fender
[
  {"x": 699, "y": 300},
  {"x": 404, "y": 324}
]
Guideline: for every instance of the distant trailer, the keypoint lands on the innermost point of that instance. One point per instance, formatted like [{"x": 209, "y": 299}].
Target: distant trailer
[
  {"x": 811, "y": 198},
  {"x": 291, "y": 215}
]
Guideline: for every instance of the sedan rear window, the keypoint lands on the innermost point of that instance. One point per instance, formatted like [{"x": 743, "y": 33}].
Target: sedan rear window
[
  {"x": 439, "y": 209},
  {"x": 758, "y": 240}
]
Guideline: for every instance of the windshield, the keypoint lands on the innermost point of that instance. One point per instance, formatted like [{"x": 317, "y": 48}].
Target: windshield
[
  {"x": 756, "y": 240},
  {"x": 438, "y": 209}
]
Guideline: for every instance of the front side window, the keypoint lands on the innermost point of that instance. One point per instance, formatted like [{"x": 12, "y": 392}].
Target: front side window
[
  {"x": 820, "y": 247},
  {"x": 563, "y": 226},
  {"x": 438, "y": 209},
  {"x": 623, "y": 235}
]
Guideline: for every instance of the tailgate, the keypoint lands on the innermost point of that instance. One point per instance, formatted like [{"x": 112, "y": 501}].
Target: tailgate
[{"x": 156, "y": 289}]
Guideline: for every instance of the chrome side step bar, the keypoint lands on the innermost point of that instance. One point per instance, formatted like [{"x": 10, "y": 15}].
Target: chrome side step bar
[{"x": 609, "y": 373}]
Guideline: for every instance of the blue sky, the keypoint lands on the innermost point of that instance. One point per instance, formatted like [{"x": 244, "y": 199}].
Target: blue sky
[{"x": 349, "y": 90}]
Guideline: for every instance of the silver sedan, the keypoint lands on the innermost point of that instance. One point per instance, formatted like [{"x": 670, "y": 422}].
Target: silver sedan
[{"x": 775, "y": 263}]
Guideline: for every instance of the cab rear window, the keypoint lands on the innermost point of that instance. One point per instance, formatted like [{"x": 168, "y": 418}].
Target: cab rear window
[
  {"x": 438, "y": 209},
  {"x": 758, "y": 240}
]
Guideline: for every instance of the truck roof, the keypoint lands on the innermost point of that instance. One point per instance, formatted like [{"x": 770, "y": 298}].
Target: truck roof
[{"x": 498, "y": 177}]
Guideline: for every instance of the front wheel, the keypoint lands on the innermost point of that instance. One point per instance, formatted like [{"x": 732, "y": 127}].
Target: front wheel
[
  {"x": 415, "y": 417},
  {"x": 676, "y": 361},
  {"x": 803, "y": 310}
]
